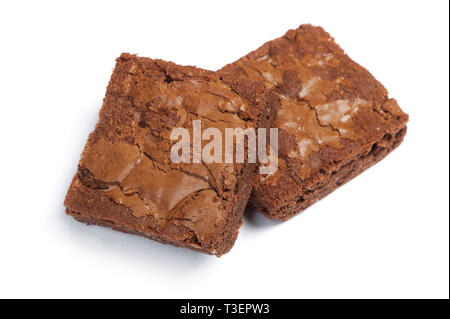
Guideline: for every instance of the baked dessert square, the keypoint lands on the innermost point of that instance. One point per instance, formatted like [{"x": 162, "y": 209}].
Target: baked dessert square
[
  {"x": 335, "y": 119},
  {"x": 126, "y": 178}
]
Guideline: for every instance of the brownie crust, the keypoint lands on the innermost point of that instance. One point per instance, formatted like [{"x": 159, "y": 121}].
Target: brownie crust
[
  {"x": 125, "y": 178},
  {"x": 334, "y": 118}
]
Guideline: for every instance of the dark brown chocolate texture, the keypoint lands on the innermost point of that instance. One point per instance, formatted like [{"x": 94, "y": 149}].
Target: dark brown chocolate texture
[
  {"x": 126, "y": 179},
  {"x": 335, "y": 120}
]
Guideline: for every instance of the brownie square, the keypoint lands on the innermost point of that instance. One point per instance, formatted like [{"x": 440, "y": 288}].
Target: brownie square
[
  {"x": 126, "y": 179},
  {"x": 335, "y": 119}
]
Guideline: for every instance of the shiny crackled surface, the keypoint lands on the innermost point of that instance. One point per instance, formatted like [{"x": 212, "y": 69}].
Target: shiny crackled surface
[
  {"x": 324, "y": 95},
  {"x": 306, "y": 112},
  {"x": 130, "y": 153}
]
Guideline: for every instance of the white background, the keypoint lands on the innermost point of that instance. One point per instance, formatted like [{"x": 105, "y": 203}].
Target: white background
[{"x": 384, "y": 234}]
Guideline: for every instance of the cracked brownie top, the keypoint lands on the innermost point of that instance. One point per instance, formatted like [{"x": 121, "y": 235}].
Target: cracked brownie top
[
  {"x": 330, "y": 105},
  {"x": 127, "y": 157}
]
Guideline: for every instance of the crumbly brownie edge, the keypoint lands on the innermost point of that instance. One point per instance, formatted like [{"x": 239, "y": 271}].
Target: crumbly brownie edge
[
  {"x": 249, "y": 173},
  {"x": 89, "y": 206},
  {"x": 367, "y": 157}
]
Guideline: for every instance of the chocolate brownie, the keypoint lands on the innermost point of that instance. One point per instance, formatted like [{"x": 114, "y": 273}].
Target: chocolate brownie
[
  {"x": 126, "y": 179},
  {"x": 335, "y": 120}
]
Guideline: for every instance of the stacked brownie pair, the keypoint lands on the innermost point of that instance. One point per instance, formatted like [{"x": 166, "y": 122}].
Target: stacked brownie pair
[{"x": 334, "y": 120}]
